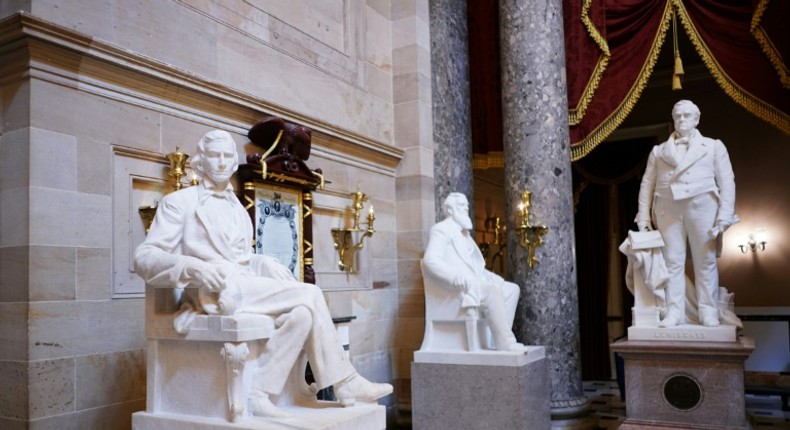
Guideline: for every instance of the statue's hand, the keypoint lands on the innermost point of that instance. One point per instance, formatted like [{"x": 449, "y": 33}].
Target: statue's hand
[
  {"x": 461, "y": 284},
  {"x": 207, "y": 275},
  {"x": 277, "y": 270},
  {"x": 719, "y": 228},
  {"x": 643, "y": 226}
]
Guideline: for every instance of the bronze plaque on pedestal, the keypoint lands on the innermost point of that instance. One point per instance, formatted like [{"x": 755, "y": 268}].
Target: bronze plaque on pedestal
[{"x": 682, "y": 392}]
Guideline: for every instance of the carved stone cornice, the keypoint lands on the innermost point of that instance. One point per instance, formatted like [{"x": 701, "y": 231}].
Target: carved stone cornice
[{"x": 31, "y": 47}]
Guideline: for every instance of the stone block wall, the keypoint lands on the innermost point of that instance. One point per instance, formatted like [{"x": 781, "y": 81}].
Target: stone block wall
[{"x": 94, "y": 93}]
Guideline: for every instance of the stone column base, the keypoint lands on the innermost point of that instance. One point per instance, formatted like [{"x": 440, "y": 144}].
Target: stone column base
[
  {"x": 684, "y": 385},
  {"x": 324, "y": 416},
  {"x": 480, "y": 390}
]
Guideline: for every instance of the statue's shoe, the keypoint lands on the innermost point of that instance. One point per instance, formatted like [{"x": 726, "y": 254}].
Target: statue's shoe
[
  {"x": 359, "y": 389},
  {"x": 710, "y": 322},
  {"x": 516, "y": 347},
  {"x": 669, "y": 321},
  {"x": 261, "y": 406}
]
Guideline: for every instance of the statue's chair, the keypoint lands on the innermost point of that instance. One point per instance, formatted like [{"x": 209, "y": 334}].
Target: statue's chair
[
  {"x": 448, "y": 326},
  {"x": 218, "y": 357}
]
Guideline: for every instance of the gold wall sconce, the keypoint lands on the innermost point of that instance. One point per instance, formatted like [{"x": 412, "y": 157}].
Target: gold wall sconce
[
  {"x": 494, "y": 223},
  {"x": 343, "y": 238},
  {"x": 529, "y": 236},
  {"x": 755, "y": 241},
  {"x": 178, "y": 162}
]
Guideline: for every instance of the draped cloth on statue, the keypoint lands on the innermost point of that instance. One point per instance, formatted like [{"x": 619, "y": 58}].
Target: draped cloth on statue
[{"x": 613, "y": 45}]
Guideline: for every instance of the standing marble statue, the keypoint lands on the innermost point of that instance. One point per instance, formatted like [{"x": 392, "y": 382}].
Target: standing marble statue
[
  {"x": 201, "y": 237},
  {"x": 456, "y": 279},
  {"x": 688, "y": 192}
]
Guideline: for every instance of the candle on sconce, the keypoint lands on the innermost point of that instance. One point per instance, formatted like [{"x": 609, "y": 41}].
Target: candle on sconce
[
  {"x": 371, "y": 217},
  {"x": 193, "y": 178},
  {"x": 521, "y": 214}
]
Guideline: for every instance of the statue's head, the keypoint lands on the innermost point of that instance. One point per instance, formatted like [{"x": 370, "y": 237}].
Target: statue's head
[
  {"x": 685, "y": 115},
  {"x": 217, "y": 157},
  {"x": 456, "y": 207}
]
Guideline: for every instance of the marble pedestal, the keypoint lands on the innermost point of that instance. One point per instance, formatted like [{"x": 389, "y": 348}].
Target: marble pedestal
[
  {"x": 480, "y": 390},
  {"x": 325, "y": 416},
  {"x": 683, "y": 384}
]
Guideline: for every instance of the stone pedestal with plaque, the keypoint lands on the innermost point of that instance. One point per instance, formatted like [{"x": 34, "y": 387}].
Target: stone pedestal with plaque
[
  {"x": 683, "y": 384},
  {"x": 483, "y": 389}
]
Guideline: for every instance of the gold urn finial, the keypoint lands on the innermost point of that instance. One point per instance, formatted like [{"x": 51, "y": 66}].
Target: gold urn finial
[{"x": 178, "y": 161}]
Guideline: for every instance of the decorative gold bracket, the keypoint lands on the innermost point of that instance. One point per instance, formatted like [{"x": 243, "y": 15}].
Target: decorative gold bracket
[
  {"x": 529, "y": 236},
  {"x": 343, "y": 238},
  {"x": 147, "y": 214}
]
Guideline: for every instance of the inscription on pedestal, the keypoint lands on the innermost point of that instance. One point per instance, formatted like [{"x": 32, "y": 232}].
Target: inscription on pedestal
[
  {"x": 678, "y": 335},
  {"x": 684, "y": 333},
  {"x": 682, "y": 392}
]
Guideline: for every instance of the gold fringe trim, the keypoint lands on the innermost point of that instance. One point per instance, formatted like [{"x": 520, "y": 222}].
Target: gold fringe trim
[
  {"x": 678, "y": 71},
  {"x": 748, "y": 101},
  {"x": 610, "y": 124},
  {"x": 758, "y": 32},
  {"x": 576, "y": 114},
  {"x": 488, "y": 161}
]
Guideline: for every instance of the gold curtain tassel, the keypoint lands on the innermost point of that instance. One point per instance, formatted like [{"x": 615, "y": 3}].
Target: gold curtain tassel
[
  {"x": 678, "y": 72},
  {"x": 676, "y": 83},
  {"x": 678, "y": 65}
]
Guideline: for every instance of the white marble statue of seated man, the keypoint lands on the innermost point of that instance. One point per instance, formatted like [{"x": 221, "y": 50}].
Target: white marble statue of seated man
[
  {"x": 454, "y": 263},
  {"x": 202, "y": 237}
]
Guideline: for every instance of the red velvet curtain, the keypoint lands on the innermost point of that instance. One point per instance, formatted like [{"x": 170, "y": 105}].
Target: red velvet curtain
[
  {"x": 605, "y": 83},
  {"x": 485, "y": 83},
  {"x": 606, "y": 187},
  {"x": 769, "y": 27},
  {"x": 721, "y": 31},
  {"x": 612, "y": 47}
]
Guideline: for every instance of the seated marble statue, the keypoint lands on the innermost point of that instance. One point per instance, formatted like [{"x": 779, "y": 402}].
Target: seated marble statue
[
  {"x": 201, "y": 237},
  {"x": 457, "y": 282}
]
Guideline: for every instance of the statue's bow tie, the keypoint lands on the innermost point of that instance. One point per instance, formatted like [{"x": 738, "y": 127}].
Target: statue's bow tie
[
  {"x": 682, "y": 141},
  {"x": 224, "y": 194}
]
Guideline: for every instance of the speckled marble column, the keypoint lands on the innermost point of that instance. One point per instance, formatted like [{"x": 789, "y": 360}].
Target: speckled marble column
[
  {"x": 452, "y": 133},
  {"x": 537, "y": 157}
]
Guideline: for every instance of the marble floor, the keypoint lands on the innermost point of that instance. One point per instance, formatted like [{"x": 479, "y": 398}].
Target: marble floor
[{"x": 765, "y": 412}]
